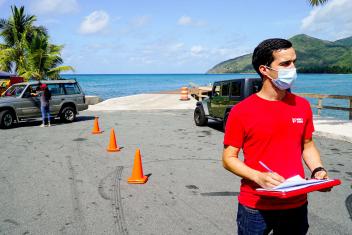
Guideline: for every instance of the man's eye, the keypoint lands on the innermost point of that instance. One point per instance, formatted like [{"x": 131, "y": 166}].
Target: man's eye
[{"x": 286, "y": 63}]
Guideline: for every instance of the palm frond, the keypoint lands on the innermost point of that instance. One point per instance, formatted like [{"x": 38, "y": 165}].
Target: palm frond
[{"x": 317, "y": 2}]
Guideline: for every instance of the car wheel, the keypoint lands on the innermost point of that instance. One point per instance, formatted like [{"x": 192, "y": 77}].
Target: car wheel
[
  {"x": 6, "y": 119},
  {"x": 225, "y": 121},
  {"x": 68, "y": 114},
  {"x": 199, "y": 116}
]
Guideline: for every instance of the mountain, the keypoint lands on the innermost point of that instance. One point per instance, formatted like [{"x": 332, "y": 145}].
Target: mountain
[{"x": 313, "y": 56}]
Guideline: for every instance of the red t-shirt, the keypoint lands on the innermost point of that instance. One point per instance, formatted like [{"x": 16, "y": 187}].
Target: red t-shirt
[{"x": 272, "y": 132}]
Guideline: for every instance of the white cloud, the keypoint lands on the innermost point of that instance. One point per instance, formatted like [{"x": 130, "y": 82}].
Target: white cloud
[
  {"x": 186, "y": 20},
  {"x": 54, "y": 6},
  {"x": 94, "y": 22},
  {"x": 197, "y": 50},
  {"x": 332, "y": 20},
  {"x": 140, "y": 21}
]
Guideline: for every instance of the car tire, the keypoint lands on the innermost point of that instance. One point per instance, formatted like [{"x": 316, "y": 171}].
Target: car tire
[
  {"x": 225, "y": 121},
  {"x": 6, "y": 119},
  {"x": 199, "y": 116},
  {"x": 68, "y": 114}
]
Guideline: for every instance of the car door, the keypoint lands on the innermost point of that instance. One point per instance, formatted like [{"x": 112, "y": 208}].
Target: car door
[
  {"x": 215, "y": 100},
  {"x": 57, "y": 97},
  {"x": 224, "y": 98},
  {"x": 235, "y": 92},
  {"x": 28, "y": 105}
]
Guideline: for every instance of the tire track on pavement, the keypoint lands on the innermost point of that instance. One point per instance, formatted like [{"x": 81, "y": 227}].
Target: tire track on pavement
[
  {"x": 77, "y": 207},
  {"x": 110, "y": 181},
  {"x": 348, "y": 204},
  {"x": 116, "y": 202}
]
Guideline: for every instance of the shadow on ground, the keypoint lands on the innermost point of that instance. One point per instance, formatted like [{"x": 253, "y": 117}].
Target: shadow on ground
[
  {"x": 54, "y": 122},
  {"x": 215, "y": 125}
]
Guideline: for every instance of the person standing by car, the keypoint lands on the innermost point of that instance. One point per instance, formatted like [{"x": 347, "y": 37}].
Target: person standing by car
[
  {"x": 273, "y": 127},
  {"x": 45, "y": 105},
  {"x": 45, "y": 96}
]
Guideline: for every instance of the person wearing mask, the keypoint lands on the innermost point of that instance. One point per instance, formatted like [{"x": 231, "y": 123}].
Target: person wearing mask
[{"x": 274, "y": 127}]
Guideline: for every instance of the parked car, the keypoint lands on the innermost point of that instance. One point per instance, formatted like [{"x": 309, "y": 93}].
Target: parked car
[
  {"x": 224, "y": 95},
  {"x": 18, "y": 102}
]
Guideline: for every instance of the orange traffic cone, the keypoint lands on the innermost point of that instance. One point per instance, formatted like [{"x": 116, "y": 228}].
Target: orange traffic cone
[
  {"x": 137, "y": 172},
  {"x": 96, "y": 129},
  {"x": 113, "y": 147}
]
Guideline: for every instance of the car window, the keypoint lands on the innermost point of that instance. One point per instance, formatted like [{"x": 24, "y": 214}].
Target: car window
[
  {"x": 225, "y": 89},
  {"x": 56, "y": 89},
  {"x": 71, "y": 88},
  {"x": 235, "y": 89},
  {"x": 30, "y": 90},
  {"x": 15, "y": 90},
  {"x": 216, "y": 91}
]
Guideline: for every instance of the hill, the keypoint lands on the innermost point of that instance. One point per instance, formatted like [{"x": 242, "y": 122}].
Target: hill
[{"x": 314, "y": 56}]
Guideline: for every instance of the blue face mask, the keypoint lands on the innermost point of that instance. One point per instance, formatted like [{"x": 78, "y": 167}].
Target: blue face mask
[{"x": 285, "y": 78}]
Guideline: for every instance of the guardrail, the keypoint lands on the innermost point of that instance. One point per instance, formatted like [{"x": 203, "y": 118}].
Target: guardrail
[{"x": 320, "y": 105}]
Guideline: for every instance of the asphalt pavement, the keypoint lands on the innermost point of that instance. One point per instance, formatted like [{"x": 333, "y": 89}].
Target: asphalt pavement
[{"x": 61, "y": 179}]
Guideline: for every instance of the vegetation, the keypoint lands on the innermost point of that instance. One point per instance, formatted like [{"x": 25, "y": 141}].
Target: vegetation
[
  {"x": 313, "y": 56},
  {"x": 317, "y": 2},
  {"x": 26, "y": 49}
]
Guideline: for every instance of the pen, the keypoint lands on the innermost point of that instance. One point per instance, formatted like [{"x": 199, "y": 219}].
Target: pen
[{"x": 265, "y": 166}]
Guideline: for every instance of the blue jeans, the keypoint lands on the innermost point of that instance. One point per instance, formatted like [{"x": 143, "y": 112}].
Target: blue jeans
[
  {"x": 45, "y": 114},
  {"x": 291, "y": 221}
]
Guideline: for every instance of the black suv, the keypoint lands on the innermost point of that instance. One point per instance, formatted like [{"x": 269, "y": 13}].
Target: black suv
[{"x": 224, "y": 95}]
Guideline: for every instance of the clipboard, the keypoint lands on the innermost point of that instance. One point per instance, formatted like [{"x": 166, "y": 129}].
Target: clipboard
[{"x": 293, "y": 193}]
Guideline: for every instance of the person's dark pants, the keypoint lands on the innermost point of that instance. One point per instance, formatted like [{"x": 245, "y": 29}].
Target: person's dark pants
[
  {"x": 45, "y": 114},
  {"x": 291, "y": 221}
]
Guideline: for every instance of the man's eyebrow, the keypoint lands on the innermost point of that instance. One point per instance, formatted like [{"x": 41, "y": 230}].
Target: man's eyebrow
[{"x": 285, "y": 61}]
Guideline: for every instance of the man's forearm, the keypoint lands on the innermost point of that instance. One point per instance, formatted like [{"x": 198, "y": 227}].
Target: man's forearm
[
  {"x": 311, "y": 156},
  {"x": 236, "y": 166}
]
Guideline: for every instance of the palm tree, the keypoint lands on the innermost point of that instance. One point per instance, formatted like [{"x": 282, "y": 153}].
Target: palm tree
[
  {"x": 26, "y": 49},
  {"x": 16, "y": 32},
  {"x": 317, "y": 2},
  {"x": 43, "y": 59}
]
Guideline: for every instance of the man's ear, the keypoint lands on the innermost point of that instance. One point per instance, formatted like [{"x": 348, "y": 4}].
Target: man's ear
[{"x": 263, "y": 70}]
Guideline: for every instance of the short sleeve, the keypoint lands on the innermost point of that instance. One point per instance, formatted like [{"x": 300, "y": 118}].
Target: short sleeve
[
  {"x": 309, "y": 126},
  {"x": 234, "y": 131}
]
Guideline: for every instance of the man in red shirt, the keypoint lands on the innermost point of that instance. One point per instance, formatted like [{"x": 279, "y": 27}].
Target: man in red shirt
[{"x": 274, "y": 127}]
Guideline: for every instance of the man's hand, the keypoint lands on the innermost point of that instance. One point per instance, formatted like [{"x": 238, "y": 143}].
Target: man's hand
[
  {"x": 320, "y": 175},
  {"x": 269, "y": 180}
]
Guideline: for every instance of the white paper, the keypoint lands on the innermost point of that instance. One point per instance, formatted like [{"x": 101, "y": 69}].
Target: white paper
[{"x": 294, "y": 183}]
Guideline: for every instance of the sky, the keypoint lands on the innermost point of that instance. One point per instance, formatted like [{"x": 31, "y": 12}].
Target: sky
[{"x": 183, "y": 36}]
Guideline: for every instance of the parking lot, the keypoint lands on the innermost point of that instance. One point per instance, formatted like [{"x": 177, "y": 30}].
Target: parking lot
[{"x": 61, "y": 179}]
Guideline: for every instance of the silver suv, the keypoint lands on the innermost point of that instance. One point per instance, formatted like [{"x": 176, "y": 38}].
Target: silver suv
[{"x": 17, "y": 103}]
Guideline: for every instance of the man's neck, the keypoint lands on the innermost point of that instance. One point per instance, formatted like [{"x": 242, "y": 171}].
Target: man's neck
[{"x": 271, "y": 93}]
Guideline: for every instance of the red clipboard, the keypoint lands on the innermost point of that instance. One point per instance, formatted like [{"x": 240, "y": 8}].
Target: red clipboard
[{"x": 297, "y": 192}]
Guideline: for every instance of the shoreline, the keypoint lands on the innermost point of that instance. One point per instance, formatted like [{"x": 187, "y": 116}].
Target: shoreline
[{"x": 168, "y": 100}]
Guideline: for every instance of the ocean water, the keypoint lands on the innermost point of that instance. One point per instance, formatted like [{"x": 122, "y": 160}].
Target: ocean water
[{"x": 116, "y": 85}]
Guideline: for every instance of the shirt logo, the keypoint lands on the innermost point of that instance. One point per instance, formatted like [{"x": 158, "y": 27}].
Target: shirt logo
[{"x": 297, "y": 120}]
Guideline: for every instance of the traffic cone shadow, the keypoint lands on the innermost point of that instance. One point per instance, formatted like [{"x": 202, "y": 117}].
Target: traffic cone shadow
[
  {"x": 137, "y": 176},
  {"x": 112, "y": 147},
  {"x": 96, "y": 129}
]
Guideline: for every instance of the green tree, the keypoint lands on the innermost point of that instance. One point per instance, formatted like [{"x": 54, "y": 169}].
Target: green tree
[
  {"x": 317, "y": 2},
  {"x": 43, "y": 59},
  {"x": 26, "y": 49}
]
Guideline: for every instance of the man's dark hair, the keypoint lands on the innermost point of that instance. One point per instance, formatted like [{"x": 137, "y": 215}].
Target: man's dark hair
[{"x": 263, "y": 53}]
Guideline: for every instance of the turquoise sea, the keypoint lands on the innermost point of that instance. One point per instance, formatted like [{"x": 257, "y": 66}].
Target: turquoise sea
[{"x": 116, "y": 85}]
